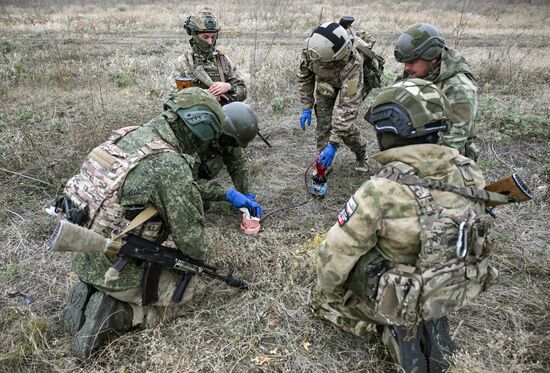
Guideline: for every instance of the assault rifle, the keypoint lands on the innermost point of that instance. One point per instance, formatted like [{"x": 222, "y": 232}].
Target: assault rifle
[{"x": 69, "y": 237}]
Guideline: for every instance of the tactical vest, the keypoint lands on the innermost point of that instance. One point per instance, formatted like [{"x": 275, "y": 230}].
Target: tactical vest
[
  {"x": 452, "y": 267},
  {"x": 216, "y": 69},
  {"x": 95, "y": 189},
  {"x": 373, "y": 64}
]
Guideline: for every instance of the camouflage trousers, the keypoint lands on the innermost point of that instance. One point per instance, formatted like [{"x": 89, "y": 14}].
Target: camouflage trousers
[
  {"x": 351, "y": 315},
  {"x": 324, "y": 107},
  {"x": 164, "y": 309}
]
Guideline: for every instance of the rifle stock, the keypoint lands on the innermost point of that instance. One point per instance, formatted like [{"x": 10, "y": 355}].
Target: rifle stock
[{"x": 513, "y": 187}]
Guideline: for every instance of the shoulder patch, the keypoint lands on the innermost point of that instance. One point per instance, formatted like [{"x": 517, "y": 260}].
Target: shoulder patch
[
  {"x": 352, "y": 87},
  {"x": 347, "y": 211}
]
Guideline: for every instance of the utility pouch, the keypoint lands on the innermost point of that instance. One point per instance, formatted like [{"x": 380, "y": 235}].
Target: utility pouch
[
  {"x": 326, "y": 90},
  {"x": 72, "y": 213},
  {"x": 398, "y": 294},
  {"x": 365, "y": 276}
]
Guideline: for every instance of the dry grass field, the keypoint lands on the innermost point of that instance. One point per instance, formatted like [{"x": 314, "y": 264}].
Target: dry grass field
[{"x": 69, "y": 74}]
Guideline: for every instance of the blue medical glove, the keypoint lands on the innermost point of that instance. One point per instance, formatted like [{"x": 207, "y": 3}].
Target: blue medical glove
[
  {"x": 327, "y": 155},
  {"x": 238, "y": 200},
  {"x": 306, "y": 117},
  {"x": 251, "y": 196}
]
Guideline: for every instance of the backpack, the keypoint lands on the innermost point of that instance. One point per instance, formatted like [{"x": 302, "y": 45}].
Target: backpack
[{"x": 373, "y": 64}]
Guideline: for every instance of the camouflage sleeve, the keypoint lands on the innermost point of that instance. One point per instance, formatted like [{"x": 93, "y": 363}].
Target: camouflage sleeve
[
  {"x": 306, "y": 83},
  {"x": 349, "y": 239},
  {"x": 462, "y": 95},
  {"x": 211, "y": 190},
  {"x": 237, "y": 167},
  {"x": 166, "y": 181},
  {"x": 235, "y": 78},
  {"x": 351, "y": 97},
  {"x": 180, "y": 68}
]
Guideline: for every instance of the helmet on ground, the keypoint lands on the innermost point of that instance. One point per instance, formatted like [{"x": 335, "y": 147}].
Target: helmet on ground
[
  {"x": 410, "y": 109},
  {"x": 199, "y": 111},
  {"x": 329, "y": 42},
  {"x": 204, "y": 21},
  {"x": 241, "y": 124},
  {"x": 421, "y": 41}
]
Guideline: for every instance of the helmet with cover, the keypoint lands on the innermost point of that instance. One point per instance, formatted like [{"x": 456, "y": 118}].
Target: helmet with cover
[
  {"x": 199, "y": 111},
  {"x": 329, "y": 42},
  {"x": 241, "y": 124},
  {"x": 204, "y": 21},
  {"x": 421, "y": 41},
  {"x": 409, "y": 112}
]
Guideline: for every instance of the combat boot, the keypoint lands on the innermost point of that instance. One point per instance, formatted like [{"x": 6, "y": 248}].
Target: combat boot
[
  {"x": 405, "y": 351},
  {"x": 362, "y": 166},
  {"x": 438, "y": 344},
  {"x": 72, "y": 316},
  {"x": 105, "y": 318}
]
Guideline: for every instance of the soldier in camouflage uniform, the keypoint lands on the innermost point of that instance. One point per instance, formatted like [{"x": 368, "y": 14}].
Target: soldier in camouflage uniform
[
  {"x": 140, "y": 167},
  {"x": 209, "y": 67},
  {"x": 422, "y": 49},
  {"x": 395, "y": 263},
  {"x": 330, "y": 80}
]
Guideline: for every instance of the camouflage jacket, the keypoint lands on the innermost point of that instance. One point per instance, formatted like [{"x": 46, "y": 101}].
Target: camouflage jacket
[
  {"x": 382, "y": 215},
  {"x": 213, "y": 63},
  {"x": 455, "y": 79},
  {"x": 165, "y": 181},
  {"x": 346, "y": 79},
  {"x": 211, "y": 163}
]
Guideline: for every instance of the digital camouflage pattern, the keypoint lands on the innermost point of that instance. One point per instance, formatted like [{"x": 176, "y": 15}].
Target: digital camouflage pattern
[
  {"x": 216, "y": 64},
  {"x": 379, "y": 228},
  {"x": 211, "y": 163},
  {"x": 163, "y": 180},
  {"x": 335, "y": 91},
  {"x": 455, "y": 79}
]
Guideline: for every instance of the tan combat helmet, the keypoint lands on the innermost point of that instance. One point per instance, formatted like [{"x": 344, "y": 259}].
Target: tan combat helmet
[
  {"x": 329, "y": 42},
  {"x": 409, "y": 109},
  {"x": 204, "y": 21}
]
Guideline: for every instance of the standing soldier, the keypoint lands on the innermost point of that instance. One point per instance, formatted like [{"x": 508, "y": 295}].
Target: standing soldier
[
  {"x": 136, "y": 169},
  {"x": 207, "y": 66},
  {"x": 409, "y": 246},
  {"x": 331, "y": 70},
  {"x": 422, "y": 49}
]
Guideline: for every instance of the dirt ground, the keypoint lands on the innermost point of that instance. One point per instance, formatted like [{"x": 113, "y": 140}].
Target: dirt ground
[{"x": 70, "y": 74}]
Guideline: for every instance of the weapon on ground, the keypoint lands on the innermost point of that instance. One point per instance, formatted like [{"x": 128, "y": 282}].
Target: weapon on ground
[{"x": 70, "y": 237}]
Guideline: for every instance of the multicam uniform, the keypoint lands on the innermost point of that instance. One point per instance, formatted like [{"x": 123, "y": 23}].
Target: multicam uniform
[
  {"x": 455, "y": 79},
  {"x": 163, "y": 179},
  {"x": 218, "y": 67},
  {"x": 380, "y": 227},
  {"x": 320, "y": 87}
]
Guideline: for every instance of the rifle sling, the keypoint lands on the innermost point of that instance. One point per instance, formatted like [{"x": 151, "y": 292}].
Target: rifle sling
[{"x": 468, "y": 192}]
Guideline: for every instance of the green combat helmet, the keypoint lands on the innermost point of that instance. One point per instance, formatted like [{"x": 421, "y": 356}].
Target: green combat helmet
[
  {"x": 199, "y": 111},
  {"x": 204, "y": 21},
  {"x": 410, "y": 111},
  {"x": 241, "y": 124},
  {"x": 421, "y": 41},
  {"x": 329, "y": 42}
]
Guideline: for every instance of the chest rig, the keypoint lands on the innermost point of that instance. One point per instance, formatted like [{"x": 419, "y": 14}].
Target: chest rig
[{"x": 95, "y": 189}]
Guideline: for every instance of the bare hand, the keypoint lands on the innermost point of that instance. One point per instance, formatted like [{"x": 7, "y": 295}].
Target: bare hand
[{"x": 219, "y": 88}]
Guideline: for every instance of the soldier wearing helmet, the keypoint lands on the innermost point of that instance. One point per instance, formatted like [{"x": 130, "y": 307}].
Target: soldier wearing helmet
[
  {"x": 330, "y": 80},
  {"x": 422, "y": 50},
  {"x": 391, "y": 266},
  {"x": 140, "y": 167},
  {"x": 209, "y": 68}
]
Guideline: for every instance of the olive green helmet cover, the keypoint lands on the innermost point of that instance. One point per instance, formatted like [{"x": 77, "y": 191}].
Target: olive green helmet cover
[
  {"x": 199, "y": 111},
  {"x": 421, "y": 41},
  {"x": 241, "y": 123},
  {"x": 204, "y": 21},
  {"x": 410, "y": 108},
  {"x": 329, "y": 42}
]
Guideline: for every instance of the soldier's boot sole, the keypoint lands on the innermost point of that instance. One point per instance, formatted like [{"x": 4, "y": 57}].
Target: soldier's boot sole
[
  {"x": 361, "y": 166},
  {"x": 439, "y": 346},
  {"x": 407, "y": 352},
  {"x": 72, "y": 316},
  {"x": 105, "y": 318}
]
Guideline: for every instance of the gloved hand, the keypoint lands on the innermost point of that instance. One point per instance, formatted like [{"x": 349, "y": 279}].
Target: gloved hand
[
  {"x": 306, "y": 117},
  {"x": 251, "y": 196},
  {"x": 326, "y": 156},
  {"x": 238, "y": 200}
]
